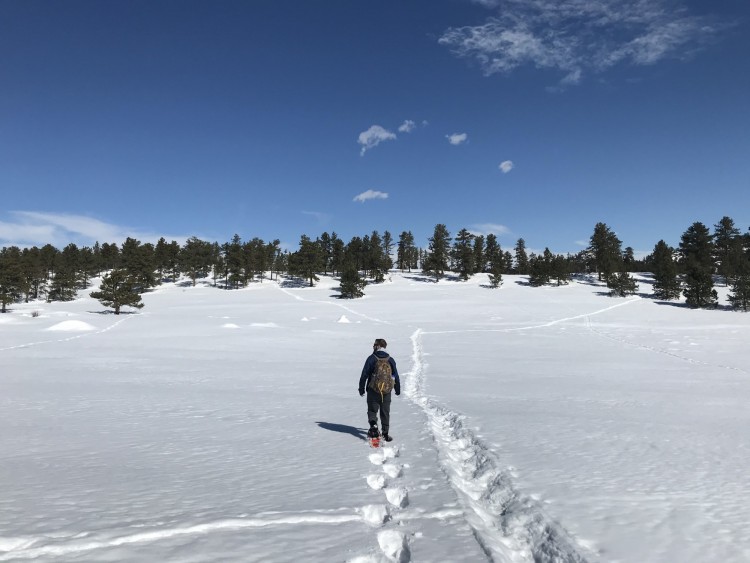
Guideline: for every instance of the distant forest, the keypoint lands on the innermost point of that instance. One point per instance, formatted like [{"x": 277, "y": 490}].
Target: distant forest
[{"x": 702, "y": 259}]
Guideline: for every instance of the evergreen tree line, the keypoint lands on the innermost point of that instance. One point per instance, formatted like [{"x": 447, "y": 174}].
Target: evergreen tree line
[{"x": 134, "y": 267}]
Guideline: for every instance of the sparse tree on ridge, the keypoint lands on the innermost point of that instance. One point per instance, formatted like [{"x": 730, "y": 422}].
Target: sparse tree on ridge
[
  {"x": 666, "y": 284},
  {"x": 118, "y": 289},
  {"x": 696, "y": 249}
]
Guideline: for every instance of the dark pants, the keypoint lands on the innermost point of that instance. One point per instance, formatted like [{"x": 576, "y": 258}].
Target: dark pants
[{"x": 379, "y": 403}]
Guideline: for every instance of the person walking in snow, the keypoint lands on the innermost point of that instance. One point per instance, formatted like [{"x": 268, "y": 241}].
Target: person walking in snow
[{"x": 379, "y": 377}]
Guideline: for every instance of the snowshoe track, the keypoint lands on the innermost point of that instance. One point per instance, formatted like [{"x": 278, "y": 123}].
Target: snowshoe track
[{"x": 507, "y": 525}]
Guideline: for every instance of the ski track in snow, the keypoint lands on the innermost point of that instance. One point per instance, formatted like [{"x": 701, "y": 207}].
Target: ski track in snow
[
  {"x": 375, "y": 515},
  {"x": 507, "y": 525},
  {"x": 656, "y": 350},
  {"x": 537, "y": 326},
  {"x": 82, "y": 335},
  {"x": 344, "y": 307}
]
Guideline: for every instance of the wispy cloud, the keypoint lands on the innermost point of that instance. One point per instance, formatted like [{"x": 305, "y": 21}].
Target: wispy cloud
[
  {"x": 320, "y": 217},
  {"x": 33, "y": 228},
  {"x": 370, "y": 194},
  {"x": 407, "y": 126},
  {"x": 457, "y": 138},
  {"x": 579, "y": 36},
  {"x": 373, "y": 137},
  {"x": 489, "y": 228},
  {"x": 506, "y": 166}
]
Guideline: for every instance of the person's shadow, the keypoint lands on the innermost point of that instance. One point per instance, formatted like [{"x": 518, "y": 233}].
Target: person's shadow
[{"x": 360, "y": 433}]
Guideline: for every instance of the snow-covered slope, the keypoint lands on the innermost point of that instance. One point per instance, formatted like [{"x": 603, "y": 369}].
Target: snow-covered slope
[{"x": 548, "y": 424}]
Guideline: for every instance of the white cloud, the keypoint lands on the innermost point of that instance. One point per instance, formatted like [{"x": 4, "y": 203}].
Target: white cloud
[
  {"x": 373, "y": 137},
  {"x": 506, "y": 166},
  {"x": 407, "y": 126},
  {"x": 457, "y": 138},
  {"x": 370, "y": 194},
  {"x": 575, "y": 36},
  {"x": 32, "y": 228},
  {"x": 489, "y": 228}
]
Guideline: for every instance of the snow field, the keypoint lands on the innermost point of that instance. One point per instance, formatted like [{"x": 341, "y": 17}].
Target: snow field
[{"x": 549, "y": 424}]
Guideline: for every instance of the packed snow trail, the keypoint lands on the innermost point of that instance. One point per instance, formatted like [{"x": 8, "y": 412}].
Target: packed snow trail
[{"x": 507, "y": 525}]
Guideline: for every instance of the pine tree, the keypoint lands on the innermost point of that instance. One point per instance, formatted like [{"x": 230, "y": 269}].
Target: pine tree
[
  {"x": 522, "y": 259},
  {"x": 666, "y": 284},
  {"x": 326, "y": 248},
  {"x": 388, "y": 250},
  {"x": 560, "y": 269},
  {"x": 139, "y": 260},
  {"x": 496, "y": 273},
  {"x": 621, "y": 284},
  {"x": 195, "y": 258},
  {"x": 463, "y": 254},
  {"x": 493, "y": 253},
  {"x": 378, "y": 260},
  {"x": 540, "y": 268},
  {"x": 11, "y": 276},
  {"x": 436, "y": 261},
  {"x": 337, "y": 254},
  {"x": 725, "y": 237},
  {"x": 480, "y": 257},
  {"x": 118, "y": 289},
  {"x": 406, "y": 251},
  {"x": 696, "y": 249},
  {"x": 739, "y": 297},
  {"x": 628, "y": 259},
  {"x": 307, "y": 261},
  {"x": 65, "y": 282},
  {"x": 606, "y": 249},
  {"x": 352, "y": 284},
  {"x": 33, "y": 273}
]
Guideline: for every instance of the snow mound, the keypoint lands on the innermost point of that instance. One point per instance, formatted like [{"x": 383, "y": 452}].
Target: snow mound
[
  {"x": 305, "y": 319},
  {"x": 392, "y": 470},
  {"x": 375, "y": 514},
  {"x": 397, "y": 496},
  {"x": 394, "y": 546},
  {"x": 72, "y": 326},
  {"x": 376, "y": 481},
  {"x": 229, "y": 325},
  {"x": 343, "y": 319},
  {"x": 265, "y": 325}
]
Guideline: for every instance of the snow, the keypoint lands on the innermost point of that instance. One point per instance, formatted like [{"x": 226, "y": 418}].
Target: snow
[{"x": 535, "y": 424}]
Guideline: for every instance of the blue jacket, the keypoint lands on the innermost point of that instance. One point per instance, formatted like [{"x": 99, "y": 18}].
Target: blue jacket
[{"x": 369, "y": 369}]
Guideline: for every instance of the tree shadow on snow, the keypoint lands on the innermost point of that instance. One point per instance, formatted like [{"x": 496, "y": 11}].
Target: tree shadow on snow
[{"x": 360, "y": 433}]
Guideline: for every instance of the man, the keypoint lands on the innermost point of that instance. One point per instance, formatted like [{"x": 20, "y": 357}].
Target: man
[{"x": 379, "y": 377}]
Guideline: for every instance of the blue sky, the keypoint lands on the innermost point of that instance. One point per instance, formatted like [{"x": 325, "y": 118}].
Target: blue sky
[{"x": 273, "y": 118}]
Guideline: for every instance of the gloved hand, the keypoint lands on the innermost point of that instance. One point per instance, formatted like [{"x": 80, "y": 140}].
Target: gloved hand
[{"x": 361, "y": 393}]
